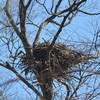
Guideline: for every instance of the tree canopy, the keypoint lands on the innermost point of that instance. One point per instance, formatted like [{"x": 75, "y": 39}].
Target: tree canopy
[{"x": 51, "y": 47}]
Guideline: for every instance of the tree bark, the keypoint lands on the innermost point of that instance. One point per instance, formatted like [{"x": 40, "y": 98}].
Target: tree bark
[
  {"x": 46, "y": 88},
  {"x": 45, "y": 82}
]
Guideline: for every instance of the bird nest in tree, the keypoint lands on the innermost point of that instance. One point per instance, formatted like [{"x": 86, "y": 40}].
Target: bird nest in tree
[{"x": 54, "y": 63}]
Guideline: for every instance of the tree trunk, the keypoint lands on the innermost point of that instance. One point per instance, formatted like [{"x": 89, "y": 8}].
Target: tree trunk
[
  {"x": 45, "y": 82},
  {"x": 46, "y": 88}
]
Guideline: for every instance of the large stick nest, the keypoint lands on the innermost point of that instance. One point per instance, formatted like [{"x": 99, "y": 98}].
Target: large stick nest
[{"x": 57, "y": 62}]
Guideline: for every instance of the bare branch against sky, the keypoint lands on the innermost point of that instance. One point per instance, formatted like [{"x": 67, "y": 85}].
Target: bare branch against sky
[{"x": 52, "y": 47}]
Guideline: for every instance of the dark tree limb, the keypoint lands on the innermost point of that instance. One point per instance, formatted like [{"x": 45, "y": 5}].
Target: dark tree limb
[
  {"x": 57, "y": 6},
  {"x": 41, "y": 27},
  {"x": 88, "y": 13},
  {"x": 9, "y": 67},
  {"x": 58, "y": 32},
  {"x": 28, "y": 4}
]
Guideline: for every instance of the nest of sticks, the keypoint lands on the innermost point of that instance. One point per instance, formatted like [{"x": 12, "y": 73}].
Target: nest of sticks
[{"x": 55, "y": 63}]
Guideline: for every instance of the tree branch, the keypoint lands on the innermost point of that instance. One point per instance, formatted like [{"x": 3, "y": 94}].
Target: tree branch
[
  {"x": 28, "y": 4},
  {"x": 57, "y": 6},
  {"x": 88, "y": 13},
  {"x": 9, "y": 67},
  {"x": 20, "y": 35},
  {"x": 58, "y": 32},
  {"x": 41, "y": 28}
]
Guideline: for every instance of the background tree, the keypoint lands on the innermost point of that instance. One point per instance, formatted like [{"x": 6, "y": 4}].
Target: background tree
[{"x": 38, "y": 49}]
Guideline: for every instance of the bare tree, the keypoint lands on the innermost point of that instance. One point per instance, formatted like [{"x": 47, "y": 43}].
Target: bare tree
[{"x": 29, "y": 35}]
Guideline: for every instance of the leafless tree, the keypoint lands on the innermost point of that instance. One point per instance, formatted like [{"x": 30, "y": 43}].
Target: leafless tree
[{"x": 32, "y": 43}]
